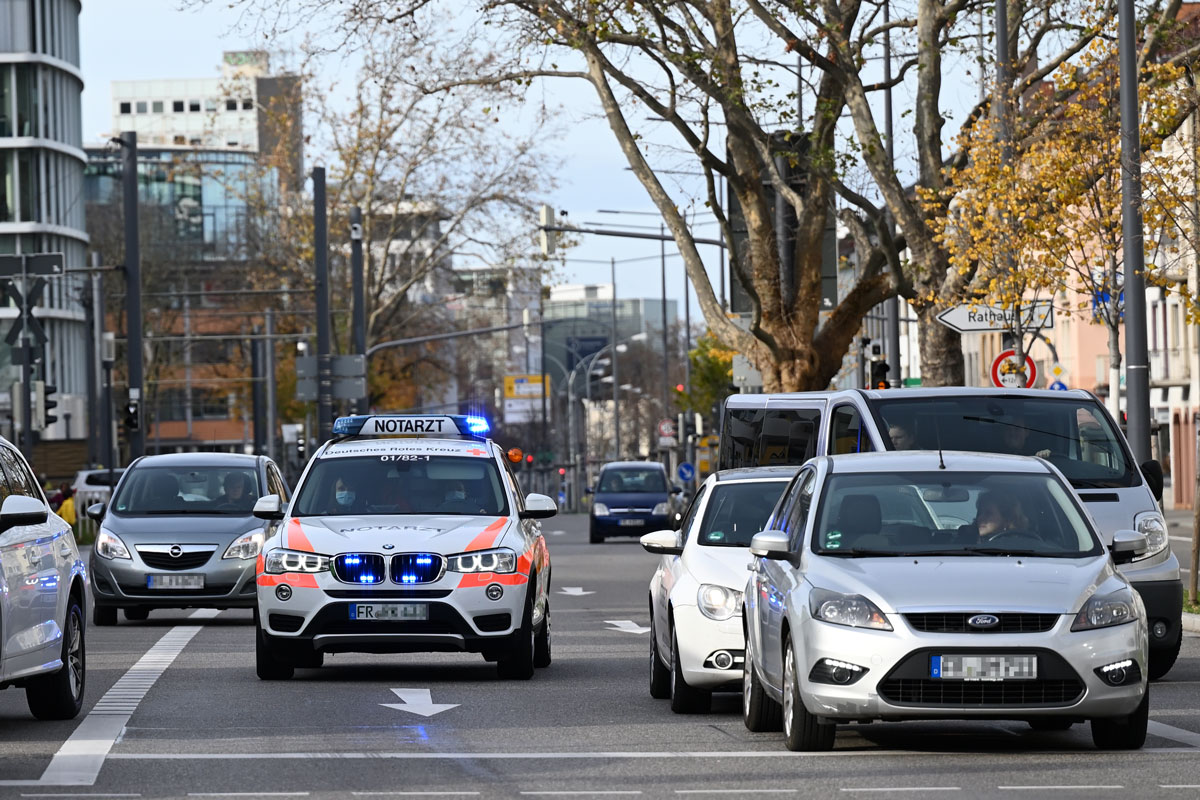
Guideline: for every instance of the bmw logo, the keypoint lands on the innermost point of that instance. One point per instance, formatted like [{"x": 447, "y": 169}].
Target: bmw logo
[
  {"x": 176, "y": 551},
  {"x": 984, "y": 621},
  {"x": 389, "y": 547}
]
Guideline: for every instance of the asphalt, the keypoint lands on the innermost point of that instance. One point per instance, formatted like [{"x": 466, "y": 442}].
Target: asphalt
[{"x": 586, "y": 726}]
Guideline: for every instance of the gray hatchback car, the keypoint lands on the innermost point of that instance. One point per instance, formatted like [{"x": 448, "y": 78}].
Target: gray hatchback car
[{"x": 180, "y": 533}]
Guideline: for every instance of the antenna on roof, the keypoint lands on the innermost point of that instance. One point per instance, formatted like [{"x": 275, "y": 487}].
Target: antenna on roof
[{"x": 941, "y": 461}]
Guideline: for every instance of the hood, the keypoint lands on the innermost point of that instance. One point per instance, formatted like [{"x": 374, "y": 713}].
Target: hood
[
  {"x": 181, "y": 529},
  {"x": 1115, "y": 509},
  {"x": 631, "y": 499},
  {"x": 724, "y": 566},
  {"x": 405, "y": 532},
  {"x": 977, "y": 583}
]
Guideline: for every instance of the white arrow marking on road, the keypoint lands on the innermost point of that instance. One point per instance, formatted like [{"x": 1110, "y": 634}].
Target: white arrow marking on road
[
  {"x": 418, "y": 701},
  {"x": 625, "y": 626},
  {"x": 560, "y": 533},
  {"x": 577, "y": 591}
]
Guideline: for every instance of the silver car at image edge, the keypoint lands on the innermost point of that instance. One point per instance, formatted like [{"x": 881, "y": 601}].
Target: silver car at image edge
[{"x": 862, "y": 605}]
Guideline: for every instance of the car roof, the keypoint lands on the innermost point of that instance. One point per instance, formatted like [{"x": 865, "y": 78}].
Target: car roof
[
  {"x": 197, "y": 460},
  {"x": 915, "y": 392},
  {"x": 632, "y": 464},
  {"x": 931, "y": 461},
  {"x": 779, "y": 472}
]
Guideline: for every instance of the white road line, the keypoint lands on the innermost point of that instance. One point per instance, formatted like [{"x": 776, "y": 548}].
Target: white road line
[
  {"x": 79, "y": 759},
  {"x": 247, "y": 794},
  {"x": 1187, "y": 539},
  {"x": 1179, "y": 786},
  {"x": 738, "y": 792},
  {"x": 582, "y": 792},
  {"x": 1052, "y": 787},
  {"x": 1161, "y": 729},
  {"x": 79, "y": 794},
  {"x": 901, "y": 789},
  {"x": 414, "y": 794}
]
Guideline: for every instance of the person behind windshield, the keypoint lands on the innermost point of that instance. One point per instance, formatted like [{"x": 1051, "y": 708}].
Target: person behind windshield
[
  {"x": 1016, "y": 439},
  {"x": 237, "y": 494},
  {"x": 901, "y": 436},
  {"x": 346, "y": 499},
  {"x": 455, "y": 499},
  {"x": 996, "y": 513}
]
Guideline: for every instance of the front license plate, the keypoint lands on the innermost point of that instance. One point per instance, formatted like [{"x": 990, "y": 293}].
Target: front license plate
[
  {"x": 417, "y": 611},
  {"x": 632, "y": 523},
  {"x": 984, "y": 668},
  {"x": 174, "y": 581}
]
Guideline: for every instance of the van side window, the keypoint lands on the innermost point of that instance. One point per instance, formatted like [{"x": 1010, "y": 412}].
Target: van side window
[
  {"x": 799, "y": 512},
  {"x": 760, "y": 437},
  {"x": 849, "y": 435}
]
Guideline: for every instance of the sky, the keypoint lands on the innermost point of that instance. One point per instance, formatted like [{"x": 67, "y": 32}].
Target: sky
[{"x": 142, "y": 39}]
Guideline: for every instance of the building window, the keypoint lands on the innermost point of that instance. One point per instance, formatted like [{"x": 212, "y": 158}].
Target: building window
[
  {"x": 141, "y": 107},
  {"x": 193, "y": 105},
  {"x": 179, "y": 139},
  {"x": 210, "y": 106},
  {"x": 231, "y": 105},
  {"x": 126, "y": 108},
  {"x": 195, "y": 142},
  {"x": 157, "y": 106},
  {"x": 177, "y": 106},
  {"x": 231, "y": 143},
  {"x": 247, "y": 105}
]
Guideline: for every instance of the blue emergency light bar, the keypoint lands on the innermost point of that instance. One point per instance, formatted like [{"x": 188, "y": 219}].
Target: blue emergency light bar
[{"x": 427, "y": 425}]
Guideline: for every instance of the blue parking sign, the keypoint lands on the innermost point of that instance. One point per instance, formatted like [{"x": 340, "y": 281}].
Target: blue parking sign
[
  {"x": 1059, "y": 386},
  {"x": 686, "y": 471}
]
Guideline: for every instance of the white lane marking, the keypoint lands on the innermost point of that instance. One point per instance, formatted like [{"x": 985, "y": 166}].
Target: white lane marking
[
  {"x": 247, "y": 794},
  {"x": 1180, "y": 735},
  {"x": 1052, "y": 787},
  {"x": 557, "y": 533},
  {"x": 901, "y": 789},
  {"x": 414, "y": 794},
  {"x": 582, "y": 792},
  {"x": 79, "y": 759},
  {"x": 1187, "y": 539},
  {"x": 573, "y": 591},
  {"x": 79, "y": 794},
  {"x": 738, "y": 792},
  {"x": 625, "y": 626},
  {"x": 418, "y": 701},
  {"x": 1179, "y": 786},
  {"x": 589, "y": 755}
]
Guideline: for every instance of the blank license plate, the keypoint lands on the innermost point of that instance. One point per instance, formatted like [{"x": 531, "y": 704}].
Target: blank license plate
[
  {"x": 984, "y": 668},
  {"x": 631, "y": 523},
  {"x": 418, "y": 611},
  {"x": 174, "y": 581}
]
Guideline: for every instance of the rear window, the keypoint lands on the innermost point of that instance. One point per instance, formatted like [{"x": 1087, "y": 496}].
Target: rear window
[
  {"x": 633, "y": 480},
  {"x": 101, "y": 478},
  {"x": 762, "y": 437},
  {"x": 737, "y": 511}
]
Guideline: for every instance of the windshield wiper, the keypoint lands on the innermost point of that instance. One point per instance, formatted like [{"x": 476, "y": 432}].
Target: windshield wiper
[{"x": 1000, "y": 551}]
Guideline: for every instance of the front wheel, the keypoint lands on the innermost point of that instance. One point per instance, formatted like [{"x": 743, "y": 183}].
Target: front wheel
[
  {"x": 660, "y": 676},
  {"x": 136, "y": 614},
  {"x": 594, "y": 536},
  {"x": 104, "y": 616},
  {"x": 541, "y": 643},
  {"x": 685, "y": 699},
  {"x": 759, "y": 712},
  {"x": 1123, "y": 733},
  {"x": 269, "y": 662},
  {"x": 59, "y": 695},
  {"x": 801, "y": 730},
  {"x": 1163, "y": 658},
  {"x": 517, "y": 663}
]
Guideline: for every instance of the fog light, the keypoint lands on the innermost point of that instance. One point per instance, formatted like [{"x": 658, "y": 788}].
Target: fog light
[
  {"x": 831, "y": 670},
  {"x": 722, "y": 659},
  {"x": 494, "y": 591},
  {"x": 1120, "y": 673},
  {"x": 1159, "y": 629},
  {"x": 283, "y": 592}
]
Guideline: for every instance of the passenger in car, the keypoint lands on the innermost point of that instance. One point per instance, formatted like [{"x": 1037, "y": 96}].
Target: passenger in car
[{"x": 996, "y": 512}]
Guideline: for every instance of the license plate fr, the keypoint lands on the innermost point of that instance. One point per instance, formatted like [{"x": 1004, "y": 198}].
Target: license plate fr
[
  {"x": 174, "y": 581},
  {"x": 632, "y": 523},
  {"x": 984, "y": 668},
  {"x": 389, "y": 611}
]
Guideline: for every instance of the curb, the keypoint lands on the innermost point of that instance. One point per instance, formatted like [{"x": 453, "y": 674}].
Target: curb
[{"x": 1191, "y": 622}]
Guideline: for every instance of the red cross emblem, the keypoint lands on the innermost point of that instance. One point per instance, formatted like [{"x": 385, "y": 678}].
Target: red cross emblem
[{"x": 475, "y": 451}]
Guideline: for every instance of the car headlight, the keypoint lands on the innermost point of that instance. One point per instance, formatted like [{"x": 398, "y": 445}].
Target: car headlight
[
  {"x": 1106, "y": 610},
  {"x": 279, "y": 561},
  {"x": 110, "y": 546},
  {"x": 660, "y": 510},
  {"x": 1151, "y": 525},
  {"x": 248, "y": 545},
  {"x": 847, "y": 609},
  {"x": 599, "y": 510},
  {"x": 501, "y": 560},
  {"x": 717, "y": 602}
]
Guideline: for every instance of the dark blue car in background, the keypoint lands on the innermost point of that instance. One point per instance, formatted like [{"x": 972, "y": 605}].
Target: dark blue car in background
[{"x": 631, "y": 498}]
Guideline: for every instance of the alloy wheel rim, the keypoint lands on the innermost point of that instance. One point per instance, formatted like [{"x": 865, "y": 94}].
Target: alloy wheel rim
[
  {"x": 75, "y": 656},
  {"x": 674, "y": 655},
  {"x": 789, "y": 699},
  {"x": 747, "y": 679}
]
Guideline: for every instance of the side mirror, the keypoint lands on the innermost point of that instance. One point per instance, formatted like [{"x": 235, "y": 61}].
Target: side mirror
[
  {"x": 676, "y": 490},
  {"x": 1127, "y": 545},
  {"x": 662, "y": 543},
  {"x": 770, "y": 544},
  {"x": 269, "y": 508},
  {"x": 96, "y": 511},
  {"x": 589, "y": 490},
  {"x": 20, "y": 510},
  {"x": 1153, "y": 472},
  {"x": 539, "y": 506}
]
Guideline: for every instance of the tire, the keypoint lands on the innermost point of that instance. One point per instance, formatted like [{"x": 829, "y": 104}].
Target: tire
[
  {"x": 269, "y": 663},
  {"x": 1163, "y": 658},
  {"x": 1123, "y": 733},
  {"x": 595, "y": 537},
  {"x": 137, "y": 614},
  {"x": 305, "y": 659},
  {"x": 685, "y": 699},
  {"x": 517, "y": 663},
  {"x": 59, "y": 695},
  {"x": 660, "y": 675},
  {"x": 759, "y": 712},
  {"x": 104, "y": 616},
  {"x": 1051, "y": 724},
  {"x": 801, "y": 730},
  {"x": 542, "y": 655}
]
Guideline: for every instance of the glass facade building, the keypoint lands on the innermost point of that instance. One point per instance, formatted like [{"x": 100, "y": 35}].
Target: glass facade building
[{"x": 41, "y": 191}]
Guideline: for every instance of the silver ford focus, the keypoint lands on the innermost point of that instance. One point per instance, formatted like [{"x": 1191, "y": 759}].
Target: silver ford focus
[{"x": 923, "y": 585}]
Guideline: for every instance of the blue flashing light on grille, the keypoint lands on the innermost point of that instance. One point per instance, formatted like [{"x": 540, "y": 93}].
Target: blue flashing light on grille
[
  {"x": 408, "y": 578},
  {"x": 410, "y": 568},
  {"x": 424, "y": 560},
  {"x": 365, "y": 568}
]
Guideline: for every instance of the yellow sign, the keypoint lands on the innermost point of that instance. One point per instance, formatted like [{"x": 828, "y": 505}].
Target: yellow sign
[{"x": 526, "y": 387}]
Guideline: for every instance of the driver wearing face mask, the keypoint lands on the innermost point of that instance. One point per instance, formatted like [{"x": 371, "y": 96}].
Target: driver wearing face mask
[
  {"x": 344, "y": 497},
  {"x": 455, "y": 499}
]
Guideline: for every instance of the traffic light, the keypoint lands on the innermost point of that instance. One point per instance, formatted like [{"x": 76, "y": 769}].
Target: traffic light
[
  {"x": 133, "y": 416},
  {"x": 301, "y": 449},
  {"x": 48, "y": 403},
  {"x": 879, "y": 371},
  {"x": 562, "y": 471}
]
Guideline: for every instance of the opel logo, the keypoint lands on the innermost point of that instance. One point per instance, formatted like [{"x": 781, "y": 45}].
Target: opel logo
[
  {"x": 389, "y": 547},
  {"x": 176, "y": 551},
  {"x": 984, "y": 621}
]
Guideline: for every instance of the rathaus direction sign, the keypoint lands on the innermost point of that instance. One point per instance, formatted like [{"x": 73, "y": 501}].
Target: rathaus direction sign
[{"x": 975, "y": 319}]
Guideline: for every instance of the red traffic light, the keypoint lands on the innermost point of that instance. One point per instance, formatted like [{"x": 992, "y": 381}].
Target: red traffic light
[
  {"x": 562, "y": 471},
  {"x": 529, "y": 458},
  {"x": 679, "y": 387}
]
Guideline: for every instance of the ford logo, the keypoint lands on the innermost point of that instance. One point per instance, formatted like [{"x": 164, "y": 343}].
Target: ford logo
[
  {"x": 176, "y": 551},
  {"x": 984, "y": 621}
]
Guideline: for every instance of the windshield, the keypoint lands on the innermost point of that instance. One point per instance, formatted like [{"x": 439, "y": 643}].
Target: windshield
[
  {"x": 1072, "y": 433},
  {"x": 737, "y": 511},
  {"x": 950, "y": 513},
  {"x": 633, "y": 480},
  {"x": 188, "y": 490},
  {"x": 760, "y": 437},
  {"x": 417, "y": 484}
]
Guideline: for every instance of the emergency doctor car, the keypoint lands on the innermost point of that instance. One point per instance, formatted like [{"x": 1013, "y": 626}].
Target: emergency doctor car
[{"x": 406, "y": 534}]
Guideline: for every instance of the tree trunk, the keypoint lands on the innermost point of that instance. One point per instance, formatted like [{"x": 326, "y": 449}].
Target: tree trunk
[
  {"x": 941, "y": 350},
  {"x": 1114, "y": 371}
]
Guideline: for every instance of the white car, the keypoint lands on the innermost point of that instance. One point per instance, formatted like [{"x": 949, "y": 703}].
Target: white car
[
  {"x": 696, "y": 642},
  {"x": 863, "y": 605},
  {"x": 43, "y": 594},
  {"x": 397, "y": 545}
]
